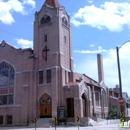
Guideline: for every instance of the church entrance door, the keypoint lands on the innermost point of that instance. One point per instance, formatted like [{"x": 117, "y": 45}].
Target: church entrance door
[{"x": 45, "y": 106}]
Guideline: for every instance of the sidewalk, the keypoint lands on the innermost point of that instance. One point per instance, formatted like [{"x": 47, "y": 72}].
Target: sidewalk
[{"x": 103, "y": 125}]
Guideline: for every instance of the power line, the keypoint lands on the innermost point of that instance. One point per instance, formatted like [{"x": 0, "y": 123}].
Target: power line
[
  {"x": 30, "y": 38},
  {"x": 13, "y": 34},
  {"x": 27, "y": 37}
]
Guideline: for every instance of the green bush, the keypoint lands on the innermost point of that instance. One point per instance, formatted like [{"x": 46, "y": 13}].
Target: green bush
[{"x": 113, "y": 114}]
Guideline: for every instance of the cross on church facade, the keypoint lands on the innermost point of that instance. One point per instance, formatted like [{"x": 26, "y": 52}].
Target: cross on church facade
[{"x": 44, "y": 53}]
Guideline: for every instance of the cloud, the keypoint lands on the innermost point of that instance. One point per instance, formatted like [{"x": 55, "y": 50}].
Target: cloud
[
  {"x": 24, "y": 43},
  {"x": 92, "y": 45},
  {"x": 90, "y": 1},
  {"x": 88, "y": 65},
  {"x": 110, "y": 15},
  {"x": 29, "y": 2},
  {"x": 100, "y": 50},
  {"x": 6, "y": 9}
]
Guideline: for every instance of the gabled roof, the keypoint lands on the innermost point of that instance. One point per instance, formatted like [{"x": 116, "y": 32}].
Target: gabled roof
[
  {"x": 53, "y": 3},
  {"x": 4, "y": 45}
]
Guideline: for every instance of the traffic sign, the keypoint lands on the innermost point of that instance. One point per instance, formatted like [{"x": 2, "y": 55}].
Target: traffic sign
[
  {"x": 35, "y": 120},
  {"x": 120, "y": 100},
  {"x": 55, "y": 119},
  {"x": 78, "y": 119}
]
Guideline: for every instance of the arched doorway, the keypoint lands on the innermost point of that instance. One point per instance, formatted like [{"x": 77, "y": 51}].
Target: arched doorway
[
  {"x": 84, "y": 104},
  {"x": 45, "y": 106},
  {"x": 70, "y": 107}
]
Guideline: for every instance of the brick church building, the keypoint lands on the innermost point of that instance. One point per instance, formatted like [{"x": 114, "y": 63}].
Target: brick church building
[{"x": 41, "y": 82}]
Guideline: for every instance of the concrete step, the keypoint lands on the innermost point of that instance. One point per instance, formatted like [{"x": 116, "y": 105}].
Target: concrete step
[
  {"x": 41, "y": 122},
  {"x": 100, "y": 119}
]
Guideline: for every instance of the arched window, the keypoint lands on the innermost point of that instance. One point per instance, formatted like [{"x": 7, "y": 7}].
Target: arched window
[
  {"x": 64, "y": 21},
  {"x": 97, "y": 98},
  {"x": 45, "y": 19},
  {"x": 104, "y": 95},
  {"x": 6, "y": 75}
]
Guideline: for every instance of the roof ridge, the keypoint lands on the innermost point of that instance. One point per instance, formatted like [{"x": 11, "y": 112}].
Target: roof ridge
[{"x": 53, "y": 3}]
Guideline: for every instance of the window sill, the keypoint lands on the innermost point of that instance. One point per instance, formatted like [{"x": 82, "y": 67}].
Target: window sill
[
  {"x": 98, "y": 106},
  {"x": 45, "y": 84},
  {"x": 12, "y": 105},
  {"x": 25, "y": 85}
]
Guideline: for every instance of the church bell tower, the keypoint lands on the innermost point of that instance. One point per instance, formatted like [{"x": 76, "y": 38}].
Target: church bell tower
[
  {"x": 52, "y": 36},
  {"x": 53, "y": 47}
]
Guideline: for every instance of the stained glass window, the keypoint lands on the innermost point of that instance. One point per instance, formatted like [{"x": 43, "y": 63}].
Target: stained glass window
[
  {"x": 11, "y": 77},
  {"x": 6, "y": 75},
  {"x": 10, "y": 99},
  {"x": 3, "y": 100},
  {"x": 6, "y": 99}
]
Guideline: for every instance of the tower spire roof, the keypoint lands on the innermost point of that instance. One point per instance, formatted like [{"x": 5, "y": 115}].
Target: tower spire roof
[{"x": 53, "y": 3}]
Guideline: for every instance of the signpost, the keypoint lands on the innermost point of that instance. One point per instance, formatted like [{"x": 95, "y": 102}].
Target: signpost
[
  {"x": 35, "y": 121},
  {"x": 122, "y": 108},
  {"x": 78, "y": 120},
  {"x": 55, "y": 121},
  {"x": 121, "y": 100}
]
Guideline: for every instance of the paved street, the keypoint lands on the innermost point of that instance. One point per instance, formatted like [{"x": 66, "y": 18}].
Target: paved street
[{"x": 104, "y": 125}]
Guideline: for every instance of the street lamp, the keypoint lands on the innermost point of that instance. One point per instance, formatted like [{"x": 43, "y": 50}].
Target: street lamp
[
  {"x": 122, "y": 107},
  {"x": 119, "y": 70}
]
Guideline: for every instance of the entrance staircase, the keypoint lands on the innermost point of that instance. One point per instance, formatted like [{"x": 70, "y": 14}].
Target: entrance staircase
[{"x": 41, "y": 123}]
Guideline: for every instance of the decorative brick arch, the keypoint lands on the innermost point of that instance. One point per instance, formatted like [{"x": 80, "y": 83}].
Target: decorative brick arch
[
  {"x": 84, "y": 91},
  {"x": 86, "y": 102},
  {"x": 42, "y": 93},
  {"x": 1, "y": 61}
]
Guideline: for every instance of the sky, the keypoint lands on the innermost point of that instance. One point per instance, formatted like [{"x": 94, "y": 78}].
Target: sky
[{"x": 98, "y": 26}]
